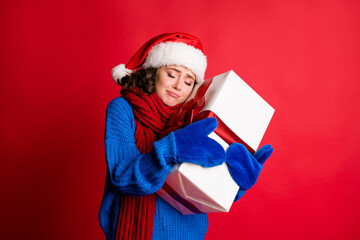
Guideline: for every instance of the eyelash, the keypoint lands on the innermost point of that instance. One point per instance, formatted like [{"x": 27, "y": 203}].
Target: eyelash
[{"x": 187, "y": 83}]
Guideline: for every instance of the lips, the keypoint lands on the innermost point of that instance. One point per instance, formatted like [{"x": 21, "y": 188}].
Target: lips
[{"x": 174, "y": 95}]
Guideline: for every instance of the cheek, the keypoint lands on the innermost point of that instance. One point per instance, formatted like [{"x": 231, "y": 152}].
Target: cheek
[
  {"x": 162, "y": 83},
  {"x": 158, "y": 85},
  {"x": 187, "y": 92}
]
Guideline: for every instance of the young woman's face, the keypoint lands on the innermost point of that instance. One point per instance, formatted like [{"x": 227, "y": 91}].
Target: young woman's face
[{"x": 173, "y": 84}]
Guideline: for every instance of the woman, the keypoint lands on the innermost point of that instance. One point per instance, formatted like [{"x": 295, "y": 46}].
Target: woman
[{"x": 156, "y": 82}]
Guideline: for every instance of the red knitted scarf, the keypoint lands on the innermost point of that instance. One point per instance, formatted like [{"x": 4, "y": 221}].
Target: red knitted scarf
[{"x": 136, "y": 217}]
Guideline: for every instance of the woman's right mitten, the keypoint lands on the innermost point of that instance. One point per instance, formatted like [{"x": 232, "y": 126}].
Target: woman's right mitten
[{"x": 192, "y": 144}]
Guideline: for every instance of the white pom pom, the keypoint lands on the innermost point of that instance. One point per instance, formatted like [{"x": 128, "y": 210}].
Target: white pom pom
[{"x": 119, "y": 72}]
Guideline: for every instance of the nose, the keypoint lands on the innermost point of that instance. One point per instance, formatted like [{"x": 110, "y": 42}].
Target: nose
[{"x": 177, "y": 84}]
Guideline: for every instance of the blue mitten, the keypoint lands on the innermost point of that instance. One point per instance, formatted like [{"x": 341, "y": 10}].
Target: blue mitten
[
  {"x": 192, "y": 144},
  {"x": 245, "y": 167}
]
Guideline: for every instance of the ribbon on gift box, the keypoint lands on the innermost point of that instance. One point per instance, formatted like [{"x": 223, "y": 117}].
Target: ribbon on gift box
[
  {"x": 187, "y": 112},
  {"x": 190, "y": 112},
  {"x": 222, "y": 130},
  {"x": 176, "y": 197}
]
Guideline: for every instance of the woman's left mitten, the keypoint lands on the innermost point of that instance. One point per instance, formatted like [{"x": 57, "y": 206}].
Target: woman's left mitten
[{"x": 245, "y": 167}]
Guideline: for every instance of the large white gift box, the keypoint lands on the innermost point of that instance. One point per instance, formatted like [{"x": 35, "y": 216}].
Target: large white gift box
[{"x": 243, "y": 117}]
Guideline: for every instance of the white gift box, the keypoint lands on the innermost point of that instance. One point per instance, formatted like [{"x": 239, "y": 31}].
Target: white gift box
[
  {"x": 191, "y": 188},
  {"x": 239, "y": 107}
]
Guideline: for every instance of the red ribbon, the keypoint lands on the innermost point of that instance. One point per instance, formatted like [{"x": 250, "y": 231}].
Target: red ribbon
[
  {"x": 222, "y": 130},
  {"x": 187, "y": 112}
]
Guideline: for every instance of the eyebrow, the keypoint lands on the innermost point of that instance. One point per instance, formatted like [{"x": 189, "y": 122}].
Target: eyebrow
[{"x": 177, "y": 70}]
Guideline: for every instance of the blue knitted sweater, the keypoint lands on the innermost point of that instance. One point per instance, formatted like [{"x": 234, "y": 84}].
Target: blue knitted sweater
[{"x": 129, "y": 172}]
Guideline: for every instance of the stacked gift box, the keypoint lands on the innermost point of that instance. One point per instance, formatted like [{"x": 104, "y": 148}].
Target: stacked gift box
[{"x": 243, "y": 117}]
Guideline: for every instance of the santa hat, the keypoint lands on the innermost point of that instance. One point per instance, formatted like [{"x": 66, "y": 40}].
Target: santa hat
[{"x": 166, "y": 49}]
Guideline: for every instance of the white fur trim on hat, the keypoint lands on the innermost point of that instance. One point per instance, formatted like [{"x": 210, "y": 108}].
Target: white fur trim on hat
[
  {"x": 177, "y": 53},
  {"x": 119, "y": 72}
]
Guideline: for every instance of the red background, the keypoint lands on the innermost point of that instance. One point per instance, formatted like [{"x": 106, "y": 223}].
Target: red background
[{"x": 301, "y": 56}]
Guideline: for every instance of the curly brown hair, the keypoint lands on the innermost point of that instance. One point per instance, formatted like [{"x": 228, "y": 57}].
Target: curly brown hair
[{"x": 144, "y": 79}]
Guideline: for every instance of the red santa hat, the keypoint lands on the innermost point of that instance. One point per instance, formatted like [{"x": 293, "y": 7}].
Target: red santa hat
[{"x": 166, "y": 49}]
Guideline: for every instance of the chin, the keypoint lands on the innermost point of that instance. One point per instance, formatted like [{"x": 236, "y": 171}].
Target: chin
[
  {"x": 170, "y": 104},
  {"x": 166, "y": 101}
]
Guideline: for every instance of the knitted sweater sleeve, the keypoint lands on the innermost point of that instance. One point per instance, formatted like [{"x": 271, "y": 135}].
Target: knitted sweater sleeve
[{"x": 130, "y": 172}]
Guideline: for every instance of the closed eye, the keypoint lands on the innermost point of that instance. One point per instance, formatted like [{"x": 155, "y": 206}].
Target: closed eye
[{"x": 170, "y": 75}]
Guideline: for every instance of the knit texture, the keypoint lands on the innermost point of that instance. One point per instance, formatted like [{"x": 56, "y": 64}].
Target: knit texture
[
  {"x": 135, "y": 174},
  {"x": 128, "y": 172},
  {"x": 171, "y": 224},
  {"x": 151, "y": 117},
  {"x": 136, "y": 217}
]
